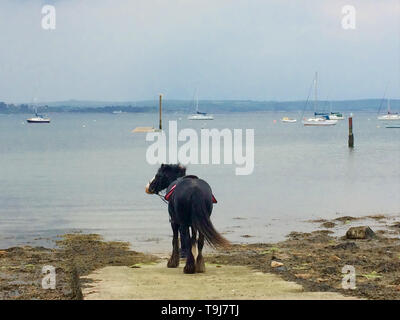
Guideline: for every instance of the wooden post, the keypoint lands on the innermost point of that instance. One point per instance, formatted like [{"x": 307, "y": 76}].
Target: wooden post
[
  {"x": 160, "y": 125},
  {"x": 351, "y": 137}
]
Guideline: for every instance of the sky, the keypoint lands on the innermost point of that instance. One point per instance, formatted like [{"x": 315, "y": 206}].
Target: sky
[{"x": 126, "y": 50}]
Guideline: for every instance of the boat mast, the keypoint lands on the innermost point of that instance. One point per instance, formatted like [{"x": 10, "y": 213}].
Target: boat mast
[
  {"x": 315, "y": 93},
  {"x": 160, "y": 123},
  {"x": 197, "y": 101}
]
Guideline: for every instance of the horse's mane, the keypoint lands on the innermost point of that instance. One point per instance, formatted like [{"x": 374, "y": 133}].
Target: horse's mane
[{"x": 178, "y": 168}]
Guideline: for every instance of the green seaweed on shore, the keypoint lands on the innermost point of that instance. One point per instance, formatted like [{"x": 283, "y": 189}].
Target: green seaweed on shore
[
  {"x": 372, "y": 276},
  {"x": 271, "y": 250},
  {"x": 76, "y": 255}
]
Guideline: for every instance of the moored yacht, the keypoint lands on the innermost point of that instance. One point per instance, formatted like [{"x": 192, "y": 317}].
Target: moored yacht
[
  {"x": 38, "y": 119},
  {"x": 320, "y": 121},
  {"x": 200, "y": 115},
  {"x": 390, "y": 115},
  {"x": 320, "y": 118}
]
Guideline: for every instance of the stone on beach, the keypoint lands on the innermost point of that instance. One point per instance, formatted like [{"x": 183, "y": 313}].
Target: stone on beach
[
  {"x": 276, "y": 264},
  {"x": 363, "y": 232}
]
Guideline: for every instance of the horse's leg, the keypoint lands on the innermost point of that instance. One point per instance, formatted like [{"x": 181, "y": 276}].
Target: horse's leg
[
  {"x": 193, "y": 242},
  {"x": 173, "y": 262},
  {"x": 189, "y": 267},
  {"x": 184, "y": 249},
  {"x": 200, "y": 266}
]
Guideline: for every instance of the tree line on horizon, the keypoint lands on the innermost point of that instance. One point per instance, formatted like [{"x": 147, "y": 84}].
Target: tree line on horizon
[{"x": 207, "y": 106}]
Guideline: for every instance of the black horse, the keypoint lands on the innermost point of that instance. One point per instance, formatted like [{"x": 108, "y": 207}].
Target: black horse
[{"x": 190, "y": 206}]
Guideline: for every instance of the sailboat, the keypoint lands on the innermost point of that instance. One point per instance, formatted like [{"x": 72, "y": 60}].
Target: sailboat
[
  {"x": 318, "y": 119},
  {"x": 389, "y": 115},
  {"x": 38, "y": 118},
  {"x": 200, "y": 115}
]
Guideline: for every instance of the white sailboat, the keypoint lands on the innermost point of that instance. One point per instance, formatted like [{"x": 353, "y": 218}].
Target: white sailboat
[
  {"x": 390, "y": 115},
  {"x": 200, "y": 115},
  {"x": 321, "y": 120},
  {"x": 38, "y": 118}
]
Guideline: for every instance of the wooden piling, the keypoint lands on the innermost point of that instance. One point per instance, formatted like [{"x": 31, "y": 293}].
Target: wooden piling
[
  {"x": 351, "y": 136},
  {"x": 160, "y": 124}
]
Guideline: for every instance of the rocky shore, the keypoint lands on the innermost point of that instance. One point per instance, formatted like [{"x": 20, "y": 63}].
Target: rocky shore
[
  {"x": 314, "y": 260},
  {"x": 76, "y": 255}
]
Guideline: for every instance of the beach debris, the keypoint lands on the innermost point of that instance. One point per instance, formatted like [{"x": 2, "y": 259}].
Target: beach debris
[
  {"x": 276, "y": 264},
  {"x": 395, "y": 225},
  {"x": 270, "y": 250},
  {"x": 334, "y": 258},
  {"x": 346, "y": 219},
  {"x": 328, "y": 224},
  {"x": 29, "y": 266},
  {"x": 280, "y": 256},
  {"x": 136, "y": 266},
  {"x": 329, "y": 270},
  {"x": 377, "y": 217},
  {"x": 363, "y": 232},
  {"x": 303, "y": 276},
  {"x": 345, "y": 246}
]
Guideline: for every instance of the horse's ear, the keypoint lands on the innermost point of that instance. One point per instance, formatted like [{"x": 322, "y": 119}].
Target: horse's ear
[
  {"x": 182, "y": 168},
  {"x": 162, "y": 165}
]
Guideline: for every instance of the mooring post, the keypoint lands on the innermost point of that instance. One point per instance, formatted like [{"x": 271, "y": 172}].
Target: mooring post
[
  {"x": 160, "y": 124},
  {"x": 351, "y": 136}
]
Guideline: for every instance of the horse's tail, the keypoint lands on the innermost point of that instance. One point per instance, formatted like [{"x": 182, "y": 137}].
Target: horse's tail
[{"x": 201, "y": 221}]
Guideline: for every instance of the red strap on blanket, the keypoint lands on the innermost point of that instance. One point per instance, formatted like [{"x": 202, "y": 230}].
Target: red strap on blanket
[{"x": 169, "y": 194}]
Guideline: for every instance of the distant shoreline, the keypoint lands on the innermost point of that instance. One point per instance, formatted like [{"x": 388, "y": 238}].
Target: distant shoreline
[{"x": 210, "y": 106}]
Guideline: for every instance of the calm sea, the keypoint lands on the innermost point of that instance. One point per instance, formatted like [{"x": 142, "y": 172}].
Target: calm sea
[{"x": 87, "y": 172}]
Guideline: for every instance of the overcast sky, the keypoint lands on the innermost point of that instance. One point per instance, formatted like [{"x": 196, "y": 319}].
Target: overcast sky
[{"x": 120, "y": 50}]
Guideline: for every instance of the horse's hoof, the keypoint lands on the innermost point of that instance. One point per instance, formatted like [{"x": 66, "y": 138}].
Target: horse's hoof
[
  {"x": 200, "y": 267},
  {"x": 173, "y": 262},
  {"x": 189, "y": 269}
]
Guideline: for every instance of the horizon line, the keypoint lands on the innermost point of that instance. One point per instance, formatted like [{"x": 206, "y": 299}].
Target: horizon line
[{"x": 183, "y": 100}]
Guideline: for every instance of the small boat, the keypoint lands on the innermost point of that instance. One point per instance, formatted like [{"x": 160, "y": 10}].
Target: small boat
[
  {"x": 394, "y": 126},
  {"x": 390, "y": 115},
  {"x": 38, "y": 119},
  {"x": 200, "y": 115},
  {"x": 318, "y": 121},
  {"x": 288, "y": 120},
  {"x": 320, "y": 118}
]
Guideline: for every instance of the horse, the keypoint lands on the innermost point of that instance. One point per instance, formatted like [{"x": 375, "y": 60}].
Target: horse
[{"x": 190, "y": 203}]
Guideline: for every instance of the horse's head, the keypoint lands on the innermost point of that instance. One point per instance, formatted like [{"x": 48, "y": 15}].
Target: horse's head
[{"x": 166, "y": 174}]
